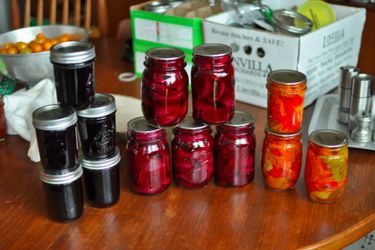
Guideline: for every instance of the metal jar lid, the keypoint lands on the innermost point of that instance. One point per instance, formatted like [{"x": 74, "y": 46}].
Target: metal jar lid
[
  {"x": 240, "y": 119},
  {"x": 54, "y": 117},
  {"x": 159, "y": 7},
  {"x": 269, "y": 131},
  {"x": 347, "y": 74},
  {"x": 286, "y": 77},
  {"x": 102, "y": 163},
  {"x": 362, "y": 85},
  {"x": 60, "y": 178},
  {"x": 328, "y": 138},
  {"x": 104, "y": 104},
  {"x": 164, "y": 54},
  {"x": 285, "y": 21},
  {"x": 72, "y": 52},
  {"x": 212, "y": 50},
  {"x": 140, "y": 125},
  {"x": 190, "y": 124}
]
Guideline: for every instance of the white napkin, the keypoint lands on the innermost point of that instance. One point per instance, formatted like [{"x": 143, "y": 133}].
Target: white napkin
[
  {"x": 19, "y": 108},
  {"x": 127, "y": 109}
]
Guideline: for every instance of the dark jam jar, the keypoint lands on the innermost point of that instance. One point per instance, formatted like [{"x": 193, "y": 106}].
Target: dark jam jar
[
  {"x": 193, "y": 155},
  {"x": 63, "y": 194},
  {"x": 97, "y": 127},
  {"x": 235, "y": 151},
  {"x": 55, "y": 127},
  {"x": 73, "y": 64},
  {"x": 102, "y": 180},
  {"x": 212, "y": 78},
  {"x": 164, "y": 87},
  {"x": 148, "y": 157}
]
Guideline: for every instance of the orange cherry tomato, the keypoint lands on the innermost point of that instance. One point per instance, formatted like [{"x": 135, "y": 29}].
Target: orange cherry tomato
[
  {"x": 36, "y": 47},
  {"x": 47, "y": 45},
  {"x": 3, "y": 51},
  {"x": 63, "y": 38},
  {"x": 12, "y": 50}
]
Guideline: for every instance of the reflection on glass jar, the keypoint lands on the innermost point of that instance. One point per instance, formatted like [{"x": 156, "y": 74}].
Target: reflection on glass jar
[
  {"x": 148, "y": 157},
  {"x": 281, "y": 159},
  {"x": 326, "y": 165}
]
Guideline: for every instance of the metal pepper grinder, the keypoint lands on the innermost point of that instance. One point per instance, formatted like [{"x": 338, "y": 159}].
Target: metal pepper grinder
[
  {"x": 362, "y": 132},
  {"x": 347, "y": 75},
  {"x": 360, "y": 100}
]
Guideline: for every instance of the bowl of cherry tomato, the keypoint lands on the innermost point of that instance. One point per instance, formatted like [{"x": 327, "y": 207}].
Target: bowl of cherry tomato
[{"x": 25, "y": 51}]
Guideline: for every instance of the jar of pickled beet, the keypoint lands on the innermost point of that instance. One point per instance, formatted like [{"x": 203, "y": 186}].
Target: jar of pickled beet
[
  {"x": 73, "y": 64},
  {"x": 97, "y": 127},
  {"x": 193, "y": 154},
  {"x": 281, "y": 159},
  {"x": 3, "y": 122},
  {"x": 212, "y": 77},
  {"x": 148, "y": 157},
  {"x": 55, "y": 127},
  {"x": 235, "y": 151},
  {"x": 164, "y": 87},
  {"x": 63, "y": 194},
  {"x": 102, "y": 180},
  {"x": 286, "y": 92},
  {"x": 326, "y": 165}
]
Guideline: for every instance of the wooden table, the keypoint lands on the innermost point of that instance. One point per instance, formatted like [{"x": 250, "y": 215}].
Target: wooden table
[{"x": 251, "y": 217}]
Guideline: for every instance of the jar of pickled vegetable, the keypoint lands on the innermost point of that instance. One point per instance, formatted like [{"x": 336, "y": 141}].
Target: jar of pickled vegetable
[
  {"x": 193, "y": 154},
  {"x": 164, "y": 87},
  {"x": 148, "y": 157},
  {"x": 326, "y": 165},
  {"x": 212, "y": 79},
  {"x": 281, "y": 159},
  {"x": 286, "y": 92},
  {"x": 235, "y": 151}
]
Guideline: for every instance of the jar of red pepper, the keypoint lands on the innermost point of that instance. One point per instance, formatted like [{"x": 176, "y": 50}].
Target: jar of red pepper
[
  {"x": 235, "y": 151},
  {"x": 286, "y": 92},
  {"x": 281, "y": 159},
  {"x": 164, "y": 87},
  {"x": 148, "y": 157},
  {"x": 212, "y": 79},
  {"x": 326, "y": 165},
  {"x": 193, "y": 154}
]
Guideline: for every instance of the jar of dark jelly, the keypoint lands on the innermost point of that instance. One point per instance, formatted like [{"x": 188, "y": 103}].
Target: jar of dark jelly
[
  {"x": 102, "y": 180},
  {"x": 55, "y": 127},
  {"x": 97, "y": 127},
  {"x": 148, "y": 157},
  {"x": 64, "y": 194},
  {"x": 212, "y": 77},
  {"x": 193, "y": 154},
  {"x": 235, "y": 151},
  {"x": 164, "y": 87},
  {"x": 73, "y": 64}
]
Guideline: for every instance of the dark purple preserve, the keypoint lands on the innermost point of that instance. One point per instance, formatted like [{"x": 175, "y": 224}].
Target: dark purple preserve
[
  {"x": 55, "y": 127},
  {"x": 73, "y": 64},
  {"x": 63, "y": 194},
  {"x": 102, "y": 180},
  {"x": 97, "y": 127}
]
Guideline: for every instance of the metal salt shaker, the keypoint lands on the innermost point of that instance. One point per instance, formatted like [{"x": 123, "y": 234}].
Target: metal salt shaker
[
  {"x": 360, "y": 100},
  {"x": 362, "y": 132},
  {"x": 347, "y": 74}
]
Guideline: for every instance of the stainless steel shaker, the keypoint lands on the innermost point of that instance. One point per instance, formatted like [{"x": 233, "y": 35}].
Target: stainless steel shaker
[
  {"x": 347, "y": 75},
  {"x": 360, "y": 100}
]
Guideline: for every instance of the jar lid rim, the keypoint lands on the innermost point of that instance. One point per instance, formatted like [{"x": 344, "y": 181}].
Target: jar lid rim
[
  {"x": 72, "y": 52},
  {"x": 286, "y": 77},
  {"x": 59, "y": 179},
  {"x": 103, "y": 104},
  {"x": 140, "y": 125},
  {"x": 212, "y": 50},
  {"x": 189, "y": 123},
  {"x": 105, "y": 163},
  {"x": 165, "y": 54},
  {"x": 240, "y": 119},
  {"x": 54, "y": 117},
  {"x": 328, "y": 138}
]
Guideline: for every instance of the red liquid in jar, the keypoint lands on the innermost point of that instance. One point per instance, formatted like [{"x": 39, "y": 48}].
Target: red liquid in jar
[{"x": 212, "y": 78}]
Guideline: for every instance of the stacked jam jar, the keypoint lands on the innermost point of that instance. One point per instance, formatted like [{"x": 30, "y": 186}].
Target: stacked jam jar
[
  {"x": 56, "y": 130},
  {"x": 282, "y": 145},
  {"x": 194, "y": 151}
]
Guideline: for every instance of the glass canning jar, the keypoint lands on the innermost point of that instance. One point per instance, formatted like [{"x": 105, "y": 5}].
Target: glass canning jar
[
  {"x": 212, "y": 77},
  {"x": 148, "y": 157},
  {"x": 56, "y": 134},
  {"x": 192, "y": 150},
  {"x": 286, "y": 92},
  {"x": 73, "y": 64},
  {"x": 281, "y": 159},
  {"x": 102, "y": 179},
  {"x": 326, "y": 165},
  {"x": 235, "y": 151},
  {"x": 164, "y": 87},
  {"x": 97, "y": 127}
]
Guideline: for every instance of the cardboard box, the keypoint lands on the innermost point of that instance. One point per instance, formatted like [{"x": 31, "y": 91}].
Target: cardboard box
[{"x": 318, "y": 54}]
